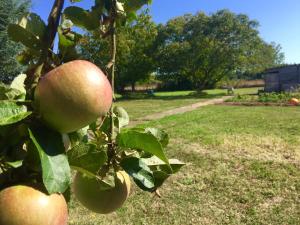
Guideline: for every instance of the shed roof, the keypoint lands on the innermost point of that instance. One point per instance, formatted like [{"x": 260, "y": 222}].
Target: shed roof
[{"x": 275, "y": 69}]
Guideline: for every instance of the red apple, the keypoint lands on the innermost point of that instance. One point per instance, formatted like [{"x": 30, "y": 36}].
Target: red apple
[
  {"x": 73, "y": 95},
  {"x": 26, "y": 205}
]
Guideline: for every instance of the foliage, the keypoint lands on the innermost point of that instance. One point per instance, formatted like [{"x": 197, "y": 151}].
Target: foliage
[
  {"x": 9, "y": 11},
  {"x": 134, "y": 44},
  {"x": 204, "y": 49}
]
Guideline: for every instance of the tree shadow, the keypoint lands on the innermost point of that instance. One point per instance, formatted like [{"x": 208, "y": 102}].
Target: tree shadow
[{"x": 156, "y": 96}]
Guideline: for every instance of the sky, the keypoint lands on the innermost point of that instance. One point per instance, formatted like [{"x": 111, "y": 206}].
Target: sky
[{"x": 279, "y": 19}]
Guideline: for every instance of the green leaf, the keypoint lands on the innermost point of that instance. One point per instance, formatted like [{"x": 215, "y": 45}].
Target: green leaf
[
  {"x": 18, "y": 84},
  {"x": 140, "y": 172},
  {"x": 67, "y": 45},
  {"x": 105, "y": 126},
  {"x": 15, "y": 164},
  {"x": 122, "y": 116},
  {"x": 161, "y": 170},
  {"x": 3, "y": 90},
  {"x": 16, "y": 91},
  {"x": 85, "y": 158},
  {"x": 161, "y": 135},
  {"x": 131, "y": 16},
  {"x": 176, "y": 165},
  {"x": 34, "y": 24},
  {"x": 18, "y": 34},
  {"x": 55, "y": 167},
  {"x": 142, "y": 141},
  {"x": 14, "y": 94},
  {"x": 11, "y": 112},
  {"x": 155, "y": 163},
  {"x": 160, "y": 177},
  {"x": 69, "y": 38},
  {"x": 27, "y": 55},
  {"x": 134, "y": 5},
  {"x": 89, "y": 20},
  {"x": 78, "y": 137}
]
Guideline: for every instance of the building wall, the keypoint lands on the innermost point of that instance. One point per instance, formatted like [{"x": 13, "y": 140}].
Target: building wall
[
  {"x": 272, "y": 82},
  {"x": 283, "y": 79}
]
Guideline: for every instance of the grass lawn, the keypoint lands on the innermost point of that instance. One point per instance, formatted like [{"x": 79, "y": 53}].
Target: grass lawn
[
  {"x": 141, "y": 105},
  {"x": 243, "y": 167}
]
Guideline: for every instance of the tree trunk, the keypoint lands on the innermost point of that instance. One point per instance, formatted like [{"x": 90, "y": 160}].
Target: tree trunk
[{"x": 133, "y": 87}]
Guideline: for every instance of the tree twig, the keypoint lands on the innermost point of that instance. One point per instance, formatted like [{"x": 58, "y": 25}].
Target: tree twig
[
  {"x": 53, "y": 22},
  {"x": 112, "y": 71}
]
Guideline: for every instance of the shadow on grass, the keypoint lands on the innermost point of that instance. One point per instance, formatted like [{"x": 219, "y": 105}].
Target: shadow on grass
[{"x": 192, "y": 95}]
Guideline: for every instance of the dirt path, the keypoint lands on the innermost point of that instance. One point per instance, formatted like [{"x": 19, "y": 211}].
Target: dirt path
[{"x": 179, "y": 110}]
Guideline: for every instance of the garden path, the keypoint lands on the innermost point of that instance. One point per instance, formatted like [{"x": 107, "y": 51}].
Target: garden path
[{"x": 183, "y": 109}]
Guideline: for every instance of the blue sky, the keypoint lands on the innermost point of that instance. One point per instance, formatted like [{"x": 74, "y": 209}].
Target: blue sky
[{"x": 279, "y": 19}]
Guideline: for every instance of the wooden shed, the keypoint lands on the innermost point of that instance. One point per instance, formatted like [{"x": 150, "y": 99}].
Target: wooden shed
[{"x": 285, "y": 78}]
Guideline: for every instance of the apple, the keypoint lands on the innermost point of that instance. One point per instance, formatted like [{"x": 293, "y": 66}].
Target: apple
[
  {"x": 73, "y": 96},
  {"x": 91, "y": 195},
  {"x": 28, "y": 205},
  {"x": 294, "y": 101}
]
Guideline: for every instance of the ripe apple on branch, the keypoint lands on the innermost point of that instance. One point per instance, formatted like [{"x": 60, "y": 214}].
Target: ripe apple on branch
[{"x": 60, "y": 117}]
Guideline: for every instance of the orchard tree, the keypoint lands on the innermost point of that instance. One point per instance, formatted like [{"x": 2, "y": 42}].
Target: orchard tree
[
  {"x": 60, "y": 116},
  {"x": 9, "y": 11},
  {"x": 135, "y": 46}
]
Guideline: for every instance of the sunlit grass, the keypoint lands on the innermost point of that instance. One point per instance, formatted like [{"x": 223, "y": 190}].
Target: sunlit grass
[{"x": 243, "y": 167}]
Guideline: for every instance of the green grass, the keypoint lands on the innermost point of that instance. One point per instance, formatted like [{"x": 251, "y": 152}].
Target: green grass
[
  {"x": 243, "y": 167},
  {"x": 141, "y": 104}
]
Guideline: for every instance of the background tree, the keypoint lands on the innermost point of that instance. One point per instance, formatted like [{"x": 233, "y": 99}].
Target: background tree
[
  {"x": 10, "y": 11},
  {"x": 171, "y": 52},
  {"x": 205, "y": 49},
  {"x": 134, "y": 43},
  {"x": 262, "y": 56}
]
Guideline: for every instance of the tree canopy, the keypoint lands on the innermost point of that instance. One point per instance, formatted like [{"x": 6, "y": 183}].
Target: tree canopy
[
  {"x": 134, "y": 47},
  {"x": 204, "y": 49},
  {"x": 189, "y": 51}
]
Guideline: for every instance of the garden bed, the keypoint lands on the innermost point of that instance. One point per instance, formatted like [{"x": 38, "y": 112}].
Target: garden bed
[
  {"x": 258, "y": 104},
  {"x": 264, "y": 99}
]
